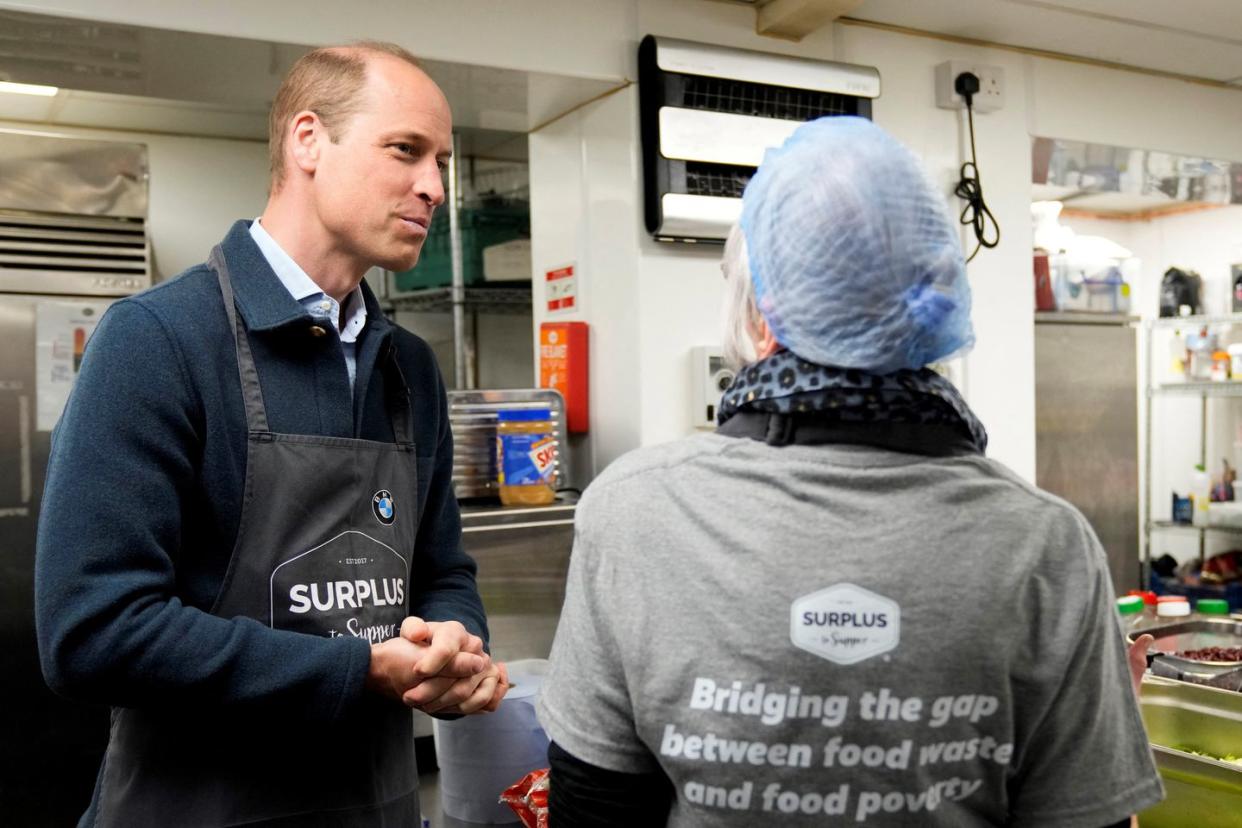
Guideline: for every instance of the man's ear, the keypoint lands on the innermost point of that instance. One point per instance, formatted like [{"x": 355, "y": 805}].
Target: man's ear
[{"x": 302, "y": 142}]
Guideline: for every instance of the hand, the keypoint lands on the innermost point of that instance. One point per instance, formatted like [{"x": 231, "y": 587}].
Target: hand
[
  {"x": 477, "y": 694},
  {"x": 1137, "y": 657},
  {"x": 450, "y": 649},
  {"x": 399, "y": 664}
]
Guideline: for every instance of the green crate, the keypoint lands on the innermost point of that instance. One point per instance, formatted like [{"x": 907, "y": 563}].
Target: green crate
[{"x": 481, "y": 227}]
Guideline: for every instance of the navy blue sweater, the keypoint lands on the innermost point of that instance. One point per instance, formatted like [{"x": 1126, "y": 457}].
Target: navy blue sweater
[{"x": 144, "y": 495}]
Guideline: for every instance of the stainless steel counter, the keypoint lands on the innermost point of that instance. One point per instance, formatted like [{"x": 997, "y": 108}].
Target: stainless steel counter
[{"x": 523, "y": 558}]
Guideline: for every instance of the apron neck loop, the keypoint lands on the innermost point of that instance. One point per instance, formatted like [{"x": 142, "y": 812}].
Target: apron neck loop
[{"x": 252, "y": 393}]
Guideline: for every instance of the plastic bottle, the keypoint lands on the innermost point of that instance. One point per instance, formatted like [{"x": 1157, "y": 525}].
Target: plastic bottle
[
  {"x": 1130, "y": 608},
  {"x": 1201, "y": 493},
  {"x": 1212, "y": 608},
  {"x": 1149, "y": 605},
  {"x": 1172, "y": 608},
  {"x": 525, "y": 456}
]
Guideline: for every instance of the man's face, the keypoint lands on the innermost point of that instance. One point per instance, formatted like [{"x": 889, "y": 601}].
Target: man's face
[{"x": 377, "y": 186}]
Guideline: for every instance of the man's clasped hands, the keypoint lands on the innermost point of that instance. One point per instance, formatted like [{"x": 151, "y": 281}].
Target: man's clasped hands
[{"x": 437, "y": 667}]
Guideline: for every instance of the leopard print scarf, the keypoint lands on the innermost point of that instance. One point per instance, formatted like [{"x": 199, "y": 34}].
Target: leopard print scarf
[{"x": 786, "y": 384}]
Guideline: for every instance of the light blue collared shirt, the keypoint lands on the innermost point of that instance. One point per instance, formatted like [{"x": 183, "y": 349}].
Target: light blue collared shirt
[{"x": 310, "y": 296}]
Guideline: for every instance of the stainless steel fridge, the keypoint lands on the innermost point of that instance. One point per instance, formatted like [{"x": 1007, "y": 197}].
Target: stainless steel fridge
[
  {"x": 73, "y": 238},
  {"x": 1086, "y": 427}
]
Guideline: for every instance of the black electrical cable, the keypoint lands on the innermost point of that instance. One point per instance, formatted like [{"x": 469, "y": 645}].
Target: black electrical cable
[{"x": 976, "y": 213}]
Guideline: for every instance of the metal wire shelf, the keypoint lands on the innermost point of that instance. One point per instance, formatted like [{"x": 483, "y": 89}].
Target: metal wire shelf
[
  {"x": 1231, "y": 388},
  {"x": 1168, "y": 524},
  {"x": 508, "y": 300}
]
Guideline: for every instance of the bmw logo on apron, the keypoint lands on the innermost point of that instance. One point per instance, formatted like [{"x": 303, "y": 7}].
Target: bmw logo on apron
[{"x": 382, "y": 506}]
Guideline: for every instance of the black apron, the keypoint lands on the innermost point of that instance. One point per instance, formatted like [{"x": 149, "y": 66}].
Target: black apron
[{"x": 326, "y": 530}]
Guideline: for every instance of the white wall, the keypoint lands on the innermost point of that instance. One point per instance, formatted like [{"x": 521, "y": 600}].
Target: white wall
[{"x": 198, "y": 188}]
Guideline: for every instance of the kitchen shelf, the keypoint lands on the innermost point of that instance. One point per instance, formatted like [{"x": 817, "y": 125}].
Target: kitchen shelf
[
  {"x": 1168, "y": 524},
  {"x": 1196, "y": 321},
  {"x": 499, "y": 300},
  {"x": 1232, "y": 388}
]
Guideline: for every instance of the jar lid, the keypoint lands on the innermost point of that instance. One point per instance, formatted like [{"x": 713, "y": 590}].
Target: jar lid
[
  {"x": 1130, "y": 605},
  {"x": 1173, "y": 599},
  {"x": 1147, "y": 595},
  {"x": 1174, "y": 608},
  {"x": 523, "y": 415},
  {"x": 1212, "y": 606}
]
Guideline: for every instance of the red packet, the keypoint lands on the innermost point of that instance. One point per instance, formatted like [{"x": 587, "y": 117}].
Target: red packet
[{"x": 529, "y": 798}]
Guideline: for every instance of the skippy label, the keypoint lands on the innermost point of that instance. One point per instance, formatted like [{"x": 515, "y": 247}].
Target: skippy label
[
  {"x": 845, "y": 624},
  {"x": 525, "y": 459}
]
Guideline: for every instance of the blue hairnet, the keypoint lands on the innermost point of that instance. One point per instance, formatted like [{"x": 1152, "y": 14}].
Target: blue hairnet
[{"x": 854, "y": 258}]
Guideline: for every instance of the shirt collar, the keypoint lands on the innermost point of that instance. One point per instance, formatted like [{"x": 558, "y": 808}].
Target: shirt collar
[{"x": 302, "y": 288}]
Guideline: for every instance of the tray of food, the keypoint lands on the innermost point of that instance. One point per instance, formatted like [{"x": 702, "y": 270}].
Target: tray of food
[{"x": 1203, "y": 651}]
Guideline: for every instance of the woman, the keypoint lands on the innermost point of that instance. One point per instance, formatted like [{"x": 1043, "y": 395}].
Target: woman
[{"x": 835, "y": 609}]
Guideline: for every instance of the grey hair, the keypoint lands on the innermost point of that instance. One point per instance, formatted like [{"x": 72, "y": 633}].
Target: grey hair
[{"x": 739, "y": 313}]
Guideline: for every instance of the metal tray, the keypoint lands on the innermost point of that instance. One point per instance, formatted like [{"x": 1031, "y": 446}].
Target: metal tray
[
  {"x": 1193, "y": 635},
  {"x": 1200, "y": 791}
]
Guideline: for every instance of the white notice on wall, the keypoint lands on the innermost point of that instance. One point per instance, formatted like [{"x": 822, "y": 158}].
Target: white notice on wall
[
  {"x": 61, "y": 332},
  {"x": 561, "y": 289}
]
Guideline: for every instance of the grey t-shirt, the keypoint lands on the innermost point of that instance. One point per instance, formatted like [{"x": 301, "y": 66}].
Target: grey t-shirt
[{"x": 840, "y": 635}]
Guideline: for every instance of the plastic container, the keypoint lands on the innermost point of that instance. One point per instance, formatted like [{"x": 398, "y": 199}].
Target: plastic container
[
  {"x": 1212, "y": 607},
  {"x": 1201, "y": 493},
  {"x": 481, "y": 227},
  {"x": 526, "y": 456},
  {"x": 480, "y": 756},
  {"x": 1149, "y": 604},
  {"x": 1235, "y": 360},
  {"x": 1130, "y": 608},
  {"x": 1172, "y": 606},
  {"x": 1220, "y": 366},
  {"x": 1201, "y": 348}
]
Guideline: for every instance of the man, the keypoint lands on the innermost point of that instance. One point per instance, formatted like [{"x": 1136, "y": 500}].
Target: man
[
  {"x": 249, "y": 544},
  {"x": 836, "y": 609}
]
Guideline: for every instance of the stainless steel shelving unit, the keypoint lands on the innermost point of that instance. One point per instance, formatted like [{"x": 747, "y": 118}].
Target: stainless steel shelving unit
[{"x": 1204, "y": 391}]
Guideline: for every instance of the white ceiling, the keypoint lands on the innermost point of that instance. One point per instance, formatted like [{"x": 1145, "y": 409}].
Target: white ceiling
[{"x": 1199, "y": 38}]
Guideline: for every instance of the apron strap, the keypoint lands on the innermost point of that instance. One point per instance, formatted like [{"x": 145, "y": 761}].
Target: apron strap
[
  {"x": 398, "y": 402},
  {"x": 252, "y": 393}
]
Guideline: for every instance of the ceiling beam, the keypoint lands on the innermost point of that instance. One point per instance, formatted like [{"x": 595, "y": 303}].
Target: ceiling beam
[{"x": 795, "y": 19}]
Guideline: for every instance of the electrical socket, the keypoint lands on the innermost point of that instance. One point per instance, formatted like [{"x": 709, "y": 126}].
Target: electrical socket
[{"x": 991, "y": 94}]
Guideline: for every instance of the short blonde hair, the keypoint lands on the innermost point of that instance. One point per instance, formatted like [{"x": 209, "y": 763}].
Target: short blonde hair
[{"x": 329, "y": 82}]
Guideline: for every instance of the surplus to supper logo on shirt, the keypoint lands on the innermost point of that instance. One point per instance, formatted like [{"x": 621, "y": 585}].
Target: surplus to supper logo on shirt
[{"x": 845, "y": 624}]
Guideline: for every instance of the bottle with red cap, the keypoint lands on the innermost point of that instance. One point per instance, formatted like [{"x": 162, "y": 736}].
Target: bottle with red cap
[{"x": 1149, "y": 605}]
